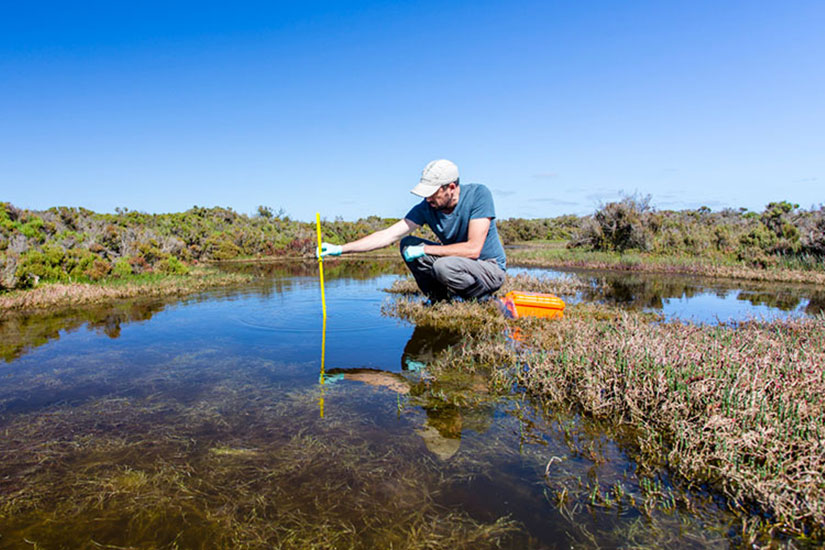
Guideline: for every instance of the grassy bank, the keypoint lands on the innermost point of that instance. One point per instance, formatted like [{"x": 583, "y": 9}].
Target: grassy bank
[
  {"x": 52, "y": 295},
  {"x": 736, "y": 409},
  {"x": 555, "y": 254}
]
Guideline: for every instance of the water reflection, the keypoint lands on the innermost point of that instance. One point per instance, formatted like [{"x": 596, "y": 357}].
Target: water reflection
[
  {"x": 20, "y": 333},
  {"x": 424, "y": 345},
  {"x": 443, "y": 400},
  {"x": 816, "y": 303},
  {"x": 323, "y": 375},
  {"x": 651, "y": 291},
  {"x": 445, "y": 419},
  {"x": 358, "y": 269}
]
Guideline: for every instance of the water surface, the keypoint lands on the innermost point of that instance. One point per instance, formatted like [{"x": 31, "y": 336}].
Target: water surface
[
  {"x": 208, "y": 423},
  {"x": 691, "y": 298}
]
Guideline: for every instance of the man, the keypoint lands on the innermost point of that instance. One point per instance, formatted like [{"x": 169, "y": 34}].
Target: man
[{"x": 469, "y": 262}]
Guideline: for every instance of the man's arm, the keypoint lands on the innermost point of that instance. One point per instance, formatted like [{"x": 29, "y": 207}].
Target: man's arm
[
  {"x": 471, "y": 248},
  {"x": 382, "y": 238}
]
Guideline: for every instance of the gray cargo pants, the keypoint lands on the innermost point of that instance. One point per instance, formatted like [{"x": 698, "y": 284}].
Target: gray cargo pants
[{"x": 441, "y": 277}]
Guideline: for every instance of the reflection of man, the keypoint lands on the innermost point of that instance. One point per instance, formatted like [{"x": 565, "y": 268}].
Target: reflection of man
[
  {"x": 469, "y": 262},
  {"x": 452, "y": 403},
  {"x": 442, "y": 430},
  {"x": 423, "y": 346}
]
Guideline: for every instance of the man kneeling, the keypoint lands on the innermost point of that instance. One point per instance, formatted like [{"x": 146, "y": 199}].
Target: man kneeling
[{"x": 469, "y": 262}]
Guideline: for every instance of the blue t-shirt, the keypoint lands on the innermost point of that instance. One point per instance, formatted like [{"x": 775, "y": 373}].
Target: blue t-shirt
[{"x": 474, "y": 201}]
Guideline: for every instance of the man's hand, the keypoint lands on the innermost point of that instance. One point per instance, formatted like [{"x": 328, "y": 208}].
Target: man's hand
[
  {"x": 413, "y": 252},
  {"x": 328, "y": 249}
]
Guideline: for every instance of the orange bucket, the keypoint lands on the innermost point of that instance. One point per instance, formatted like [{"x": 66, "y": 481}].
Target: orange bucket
[{"x": 517, "y": 304}]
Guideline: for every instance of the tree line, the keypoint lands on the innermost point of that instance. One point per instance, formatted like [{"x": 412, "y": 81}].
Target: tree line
[{"x": 76, "y": 244}]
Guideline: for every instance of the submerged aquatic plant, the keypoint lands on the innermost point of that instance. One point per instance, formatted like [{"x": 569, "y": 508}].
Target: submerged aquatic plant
[{"x": 155, "y": 472}]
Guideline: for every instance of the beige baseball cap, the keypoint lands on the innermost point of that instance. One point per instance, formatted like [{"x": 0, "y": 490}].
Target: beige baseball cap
[{"x": 435, "y": 174}]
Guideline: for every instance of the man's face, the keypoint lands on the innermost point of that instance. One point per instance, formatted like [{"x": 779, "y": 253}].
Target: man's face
[{"x": 443, "y": 198}]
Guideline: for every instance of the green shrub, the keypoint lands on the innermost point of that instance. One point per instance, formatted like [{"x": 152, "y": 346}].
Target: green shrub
[
  {"x": 78, "y": 262},
  {"x": 265, "y": 212},
  {"x": 6, "y": 223},
  {"x": 35, "y": 265},
  {"x": 172, "y": 266},
  {"x": 221, "y": 247},
  {"x": 122, "y": 268},
  {"x": 110, "y": 238},
  {"x": 150, "y": 251},
  {"x": 32, "y": 229},
  {"x": 755, "y": 245}
]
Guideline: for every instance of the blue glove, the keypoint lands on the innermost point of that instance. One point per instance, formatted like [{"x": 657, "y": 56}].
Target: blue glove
[
  {"x": 415, "y": 366},
  {"x": 330, "y": 378},
  {"x": 413, "y": 252},
  {"x": 328, "y": 249}
]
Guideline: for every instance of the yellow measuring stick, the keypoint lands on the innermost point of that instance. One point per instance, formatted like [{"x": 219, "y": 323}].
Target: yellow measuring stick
[{"x": 321, "y": 264}]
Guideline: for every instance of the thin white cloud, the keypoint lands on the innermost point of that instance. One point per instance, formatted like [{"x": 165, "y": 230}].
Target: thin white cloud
[
  {"x": 691, "y": 205},
  {"x": 554, "y": 201},
  {"x": 601, "y": 196}
]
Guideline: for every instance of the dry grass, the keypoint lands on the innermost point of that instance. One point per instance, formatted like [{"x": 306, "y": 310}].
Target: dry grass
[
  {"x": 76, "y": 294},
  {"x": 737, "y": 408}
]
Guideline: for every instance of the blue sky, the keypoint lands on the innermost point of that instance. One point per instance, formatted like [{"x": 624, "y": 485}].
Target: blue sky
[{"x": 337, "y": 106}]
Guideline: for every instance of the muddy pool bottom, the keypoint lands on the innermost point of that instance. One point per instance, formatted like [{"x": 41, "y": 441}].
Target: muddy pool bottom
[{"x": 197, "y": 424}]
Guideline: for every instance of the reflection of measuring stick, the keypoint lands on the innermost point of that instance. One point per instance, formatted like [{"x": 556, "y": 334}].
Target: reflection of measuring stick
[
  {"x": 324, "y": 306},
  {"x": 323, "y": 353}
]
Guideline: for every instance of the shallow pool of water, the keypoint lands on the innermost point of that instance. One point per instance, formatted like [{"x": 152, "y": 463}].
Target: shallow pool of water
[
  {"x": 691, "y": 298},
  {"x": 209, "y": 423}
]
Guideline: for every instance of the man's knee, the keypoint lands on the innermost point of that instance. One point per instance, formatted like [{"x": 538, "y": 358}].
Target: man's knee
[
  {"x": 467, "y": 278},
  {"x": 448, "y": 270}
]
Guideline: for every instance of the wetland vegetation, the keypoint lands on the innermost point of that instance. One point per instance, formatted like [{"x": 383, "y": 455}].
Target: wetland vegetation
[{"x": 734, "y": 408}]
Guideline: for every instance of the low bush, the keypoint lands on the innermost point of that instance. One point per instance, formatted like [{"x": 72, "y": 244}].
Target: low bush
[
  {"x": 617, "y": 226},
  {"x": 172, "y": 266},
  {"x": 122, "y": 268}
]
